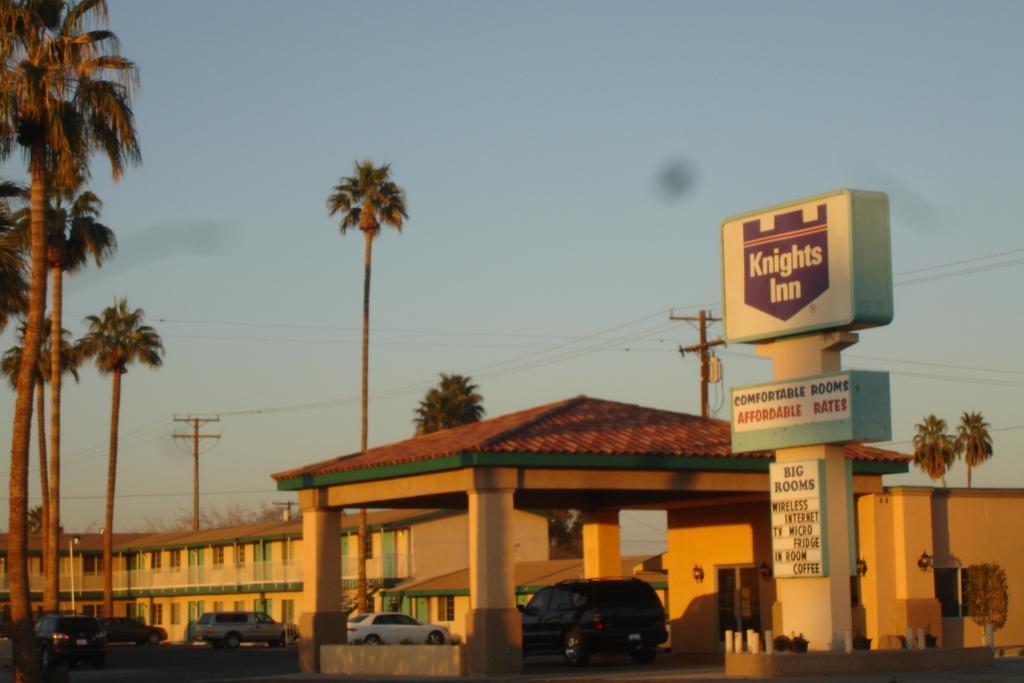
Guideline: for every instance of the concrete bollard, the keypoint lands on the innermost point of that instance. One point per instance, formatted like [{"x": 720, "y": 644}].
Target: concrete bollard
[
  {"x": 769, "y": 642},
  {"x": 729, "y": 645},
  {"x": 921, "y": 642},
  {"x": 754, "y": 638},
  {"x": 990, "y": 636},
  {"x": 910, "y": 638},
  {"x": 848, "y": 641},
  {"x": 738, "y": 639}
]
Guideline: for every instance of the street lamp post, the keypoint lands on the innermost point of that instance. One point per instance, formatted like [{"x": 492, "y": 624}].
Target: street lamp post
[{"x": 72, "y": 542}]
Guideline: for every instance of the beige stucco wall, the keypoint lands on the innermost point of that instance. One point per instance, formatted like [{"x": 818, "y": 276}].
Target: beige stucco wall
[
  {"x": 441, "y": 545},
  {"x": 975, "y": 527},
  {"x": 712, "y": 537}
]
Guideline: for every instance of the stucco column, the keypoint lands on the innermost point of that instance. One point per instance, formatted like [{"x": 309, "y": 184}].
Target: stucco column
[
  {"x": 321, "y": 622},
  {"x": 819, "y": 608},
  {"x": 601, "y": 541},
  {"x": 494, "y": 627}
]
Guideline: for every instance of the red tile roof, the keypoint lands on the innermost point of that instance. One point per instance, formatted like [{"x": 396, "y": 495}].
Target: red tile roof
[{"x": 579, "y": 425}]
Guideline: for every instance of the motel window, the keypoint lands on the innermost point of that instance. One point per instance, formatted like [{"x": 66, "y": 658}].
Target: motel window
[
  {"x": 91, "y": 610},
  {"x": 371, "y": 600},
  {"x": 158, "y": 613},
  {"x": 156, "y": 560},
  {"x": 239, "y": 554},
  {"x": 218, "y": 554},
  {"x": 288, "y": 550},
  {"x": 175, "y": 559},
  {"x": 175, "y": 614},
  {"x": 951, "y": 589},
  {"x": 239, "y": 605},
  {"x": 218, "y": 605},
  {"x": 93, "y": 564}
]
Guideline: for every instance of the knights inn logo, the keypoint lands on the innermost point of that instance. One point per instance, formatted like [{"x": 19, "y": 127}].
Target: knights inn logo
[{"x": 785, "y": 264}]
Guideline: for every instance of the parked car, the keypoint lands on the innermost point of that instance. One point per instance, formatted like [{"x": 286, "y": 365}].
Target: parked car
[
  {"x": 129, "y": 630},
  {"x": 374, "y": 628},
  {"x": 70, "y": 639},
  {"x": 231, "y": 629},
  {"x": 579, "y": 618}
]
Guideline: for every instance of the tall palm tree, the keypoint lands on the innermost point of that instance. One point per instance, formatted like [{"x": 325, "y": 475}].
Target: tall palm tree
[
  {"x": 367, "y": 199},
  {"x": 453, "y": 402},
  {"x": 9, "y": 365},
  {"x": 65, "y": 92},
  {"x": 116, "y": 339},
  {"x": 973, "y": 442},
  {"x": 74, "y": 237},
  {"x": 933, "y": 448}
]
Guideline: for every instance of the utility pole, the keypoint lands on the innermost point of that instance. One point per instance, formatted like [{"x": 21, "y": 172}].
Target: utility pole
[
  {"x": 702, "y": 321},
  {"x": 196, "y": 422},
  {"x": 288, "y": 505}
]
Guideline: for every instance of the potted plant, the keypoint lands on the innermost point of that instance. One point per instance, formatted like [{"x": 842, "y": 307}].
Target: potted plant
[
  {"x": 798, "y": 643},
  {"x": 782, "y": 643},
  {"x": 861, "y": 642}
]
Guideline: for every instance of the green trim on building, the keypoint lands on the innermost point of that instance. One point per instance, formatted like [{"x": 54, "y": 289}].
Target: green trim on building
[{"x": 560, "y": 461}]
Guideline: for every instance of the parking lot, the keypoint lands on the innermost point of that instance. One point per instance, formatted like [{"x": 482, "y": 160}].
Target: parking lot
[
  {"x": 184, "y": 663},
  {"x": 191, "y": 664}
]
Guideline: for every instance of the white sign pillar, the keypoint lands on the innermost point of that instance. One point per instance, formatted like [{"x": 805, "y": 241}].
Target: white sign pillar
[{"x": 818, "y": 608}]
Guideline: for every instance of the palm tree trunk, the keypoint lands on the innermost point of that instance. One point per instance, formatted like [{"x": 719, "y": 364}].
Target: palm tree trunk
[
  {"x": 108, "y": 568},
  {"x": 25, "y": 661},
  {"x": 361, "y": 552},
  {"x": 968, "y": 475},
  {"x": 44, "y": 487},
  {"x": 52, "y": 520}
]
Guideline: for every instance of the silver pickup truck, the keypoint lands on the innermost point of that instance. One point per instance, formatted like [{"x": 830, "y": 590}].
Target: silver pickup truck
[{"x": 231, "y": 629}]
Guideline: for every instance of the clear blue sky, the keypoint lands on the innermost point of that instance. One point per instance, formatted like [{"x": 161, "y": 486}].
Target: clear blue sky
[{"x": 533, "y": 140}]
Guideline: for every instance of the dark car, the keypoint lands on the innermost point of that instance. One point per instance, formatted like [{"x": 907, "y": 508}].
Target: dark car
[
  {"x": 128, "y": 630},
  {"x": 579, "y": 618},
  {"x": 70, "y": 639}
]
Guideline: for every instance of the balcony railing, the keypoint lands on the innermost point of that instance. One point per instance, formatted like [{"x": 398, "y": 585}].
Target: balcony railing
[{"x": 393, "y": 566}]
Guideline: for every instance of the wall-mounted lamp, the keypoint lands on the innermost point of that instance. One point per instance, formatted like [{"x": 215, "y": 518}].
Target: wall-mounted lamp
[
  {"x": 926, "y": 561},
  {"x": 862, "y": 568},
  {"x": 698, "y": 573},
  {"x": 765, "y": 570}
]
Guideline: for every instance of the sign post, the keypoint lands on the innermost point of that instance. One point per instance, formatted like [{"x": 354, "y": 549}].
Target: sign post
[{"x": 797, "y": 278}]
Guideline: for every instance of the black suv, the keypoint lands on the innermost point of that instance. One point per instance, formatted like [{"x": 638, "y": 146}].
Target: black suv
[
  {"x": 578, "y": 618},
  {"x": 70, "y": 639},
  {"x": 132, "y": 630}
]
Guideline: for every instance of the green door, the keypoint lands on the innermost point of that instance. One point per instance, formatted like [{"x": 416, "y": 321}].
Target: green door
[
  {"x": 423, "y": 610},
  {"x": 196, "y": 571},
  {"x": 195, "y": 610}
]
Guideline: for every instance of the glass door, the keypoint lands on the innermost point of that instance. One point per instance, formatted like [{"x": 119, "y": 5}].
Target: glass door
[{"x": 739, "y": 600}]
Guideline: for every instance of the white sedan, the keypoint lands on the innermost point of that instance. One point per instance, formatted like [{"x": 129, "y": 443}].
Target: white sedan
[{"x": 374, "y": 628}]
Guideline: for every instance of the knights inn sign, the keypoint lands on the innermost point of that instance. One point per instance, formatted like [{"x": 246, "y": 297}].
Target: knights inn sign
[{"x": 814, "y": 264}]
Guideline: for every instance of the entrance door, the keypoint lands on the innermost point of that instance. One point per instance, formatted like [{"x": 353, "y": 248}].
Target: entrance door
[{"x": 739, "y": 600}]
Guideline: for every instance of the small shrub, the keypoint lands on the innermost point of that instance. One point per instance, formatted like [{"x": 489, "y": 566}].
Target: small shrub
[
  {"x": 782, "y": 643},
  {"x": 861, "y": 642},
  {"x": 799, "y": 643}
]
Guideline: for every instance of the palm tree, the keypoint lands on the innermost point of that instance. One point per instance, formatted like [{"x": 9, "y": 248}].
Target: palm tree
[
  {"x": 35, "y": 519},
  {"x": 973, "y": 442},
  {"x": 453, "y": 402},
  {"x": 75, "y": 236},
  {"x": 933, "y": 448},
  {"x": 9, "y": 365},
  {"x": 365, "y": 200},
  {"x": 13, "y": 286},
  {"x": 116, "y": 339},
  {"x": 65, "y": 92}
]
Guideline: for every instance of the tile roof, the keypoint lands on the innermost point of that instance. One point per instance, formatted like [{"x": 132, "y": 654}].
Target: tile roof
[
  {"x": 90, "y": 542},
  {"x": 250, "y": 531},
  {"x": 580, "y": 425}
]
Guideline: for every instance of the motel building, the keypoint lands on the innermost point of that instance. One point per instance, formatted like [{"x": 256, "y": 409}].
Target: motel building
[
  {"x": 453, "y": 524},
  {"x": 911, "y": 547}
]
